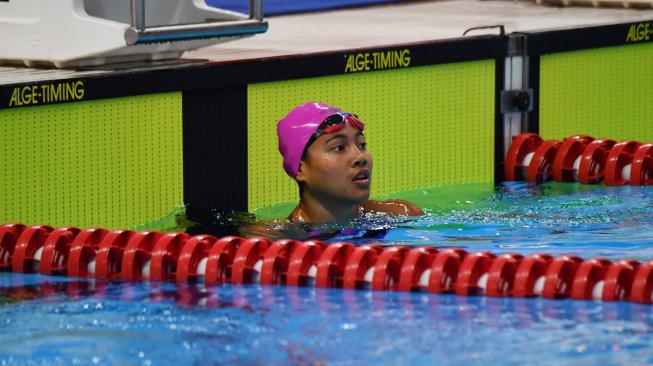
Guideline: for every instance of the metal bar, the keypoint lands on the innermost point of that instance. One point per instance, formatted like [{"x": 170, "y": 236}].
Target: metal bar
[
  {"x": 201, "y": 26},
  {"x": 138, "y": 14},
  {"x": 190, "y": 31},
  {"x": 256, "y": 9}
]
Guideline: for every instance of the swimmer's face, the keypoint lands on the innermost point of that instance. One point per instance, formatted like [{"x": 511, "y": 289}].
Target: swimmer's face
[{"x": 338, "y": 167}]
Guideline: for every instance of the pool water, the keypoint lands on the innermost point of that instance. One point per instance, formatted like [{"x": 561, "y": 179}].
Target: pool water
[
  {"x": 63, "y": 321},
  {"x": 279, "y": 7}
]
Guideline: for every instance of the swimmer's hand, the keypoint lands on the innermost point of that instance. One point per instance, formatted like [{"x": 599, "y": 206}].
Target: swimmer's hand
[{"x": 393, "y": 206}]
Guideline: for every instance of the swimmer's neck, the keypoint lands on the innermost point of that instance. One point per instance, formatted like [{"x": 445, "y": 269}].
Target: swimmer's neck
[{"x": 311, "y": 209}]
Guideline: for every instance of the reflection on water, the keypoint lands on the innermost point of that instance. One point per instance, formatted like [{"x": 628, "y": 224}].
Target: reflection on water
[
  {"x": 55, "y": 322},
  {"x": 255, "y": 298}
]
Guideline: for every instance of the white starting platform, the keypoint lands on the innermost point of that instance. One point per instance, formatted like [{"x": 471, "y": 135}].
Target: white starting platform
[{"x": 80, "y": 33}]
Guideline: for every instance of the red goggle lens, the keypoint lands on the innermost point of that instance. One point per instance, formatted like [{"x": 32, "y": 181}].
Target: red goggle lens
[{"x": 337, "y": 122}]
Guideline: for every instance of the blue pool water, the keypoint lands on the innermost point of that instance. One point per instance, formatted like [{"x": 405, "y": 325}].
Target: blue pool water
[
  {"x": 277, "y": 7},
  {"x": 59, "y": 321}
]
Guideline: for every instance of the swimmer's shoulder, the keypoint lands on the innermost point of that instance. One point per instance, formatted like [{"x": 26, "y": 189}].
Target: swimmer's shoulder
[
  {"x": 296, "y": 215},
  {"x": 392, "y": 206}
]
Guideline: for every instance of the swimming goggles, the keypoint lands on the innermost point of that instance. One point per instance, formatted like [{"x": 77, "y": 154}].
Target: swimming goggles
[{"x": 337, "y": 122}]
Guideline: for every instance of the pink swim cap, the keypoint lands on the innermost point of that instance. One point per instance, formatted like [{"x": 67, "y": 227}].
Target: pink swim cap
[{"x": 296, "y": 128}]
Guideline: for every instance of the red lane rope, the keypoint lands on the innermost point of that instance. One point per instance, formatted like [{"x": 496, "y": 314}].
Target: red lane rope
[
  {"x": 579, "y": 158},
  {"x": 522, "y": 145},
  {"x": 570, "y": 150},
  {"x": 148, "y": 255},
  {"x": 594, "y": 157}
]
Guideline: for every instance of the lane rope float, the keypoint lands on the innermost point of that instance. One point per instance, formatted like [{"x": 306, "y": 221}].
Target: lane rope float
[
  {"x": 579, "y": 158},
  {"x": 149, "y": 255}
]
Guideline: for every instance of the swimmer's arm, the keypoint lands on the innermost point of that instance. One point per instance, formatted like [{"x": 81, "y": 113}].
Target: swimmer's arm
[{"x": 393, "y": 206}]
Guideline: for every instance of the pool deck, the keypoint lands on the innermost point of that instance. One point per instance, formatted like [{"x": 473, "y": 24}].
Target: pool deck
[
  {"x": 408, "y": 23},
  {"x": 375, "y": 26}
]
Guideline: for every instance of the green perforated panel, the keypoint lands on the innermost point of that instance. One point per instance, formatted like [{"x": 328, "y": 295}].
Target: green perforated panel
[
  {"x": 110, "y": 163},
  {"x": 605, "y": 92},
  {"x": 425, "y": 126}
]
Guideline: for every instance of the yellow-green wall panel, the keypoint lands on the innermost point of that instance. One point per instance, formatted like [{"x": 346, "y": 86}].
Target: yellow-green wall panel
[
  {"x": 111, "y": 163},
  {"x": 425, "y": 125},
  {"x": 603, "y": 92}
]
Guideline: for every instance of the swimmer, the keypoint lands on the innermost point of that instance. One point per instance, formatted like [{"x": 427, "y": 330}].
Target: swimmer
[{"x": 324, "y": 151}]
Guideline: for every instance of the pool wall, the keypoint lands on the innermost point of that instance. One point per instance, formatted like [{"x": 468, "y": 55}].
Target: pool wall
[
  {"x": 107, "y": 162},
  {"x": 134, "y": 145},
  {"x": 595, "y": 81},
  {"x": 603, "y": 92}
]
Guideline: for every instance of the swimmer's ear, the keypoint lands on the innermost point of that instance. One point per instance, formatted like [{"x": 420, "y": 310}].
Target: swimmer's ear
[{"x": 301, "y": 172}]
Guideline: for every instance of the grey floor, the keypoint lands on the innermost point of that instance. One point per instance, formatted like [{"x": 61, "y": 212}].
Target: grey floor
[{"x": 375, "y": 27}]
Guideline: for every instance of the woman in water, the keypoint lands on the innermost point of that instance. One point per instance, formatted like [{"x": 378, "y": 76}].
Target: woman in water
[{"x": 324, "y": 151}]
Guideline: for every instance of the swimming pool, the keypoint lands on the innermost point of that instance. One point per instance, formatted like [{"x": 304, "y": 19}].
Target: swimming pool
[{"x": 54, "y": 320}]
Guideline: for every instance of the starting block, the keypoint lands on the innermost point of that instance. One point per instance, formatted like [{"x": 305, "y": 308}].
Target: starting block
[{"x": 82, "y": 33}]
